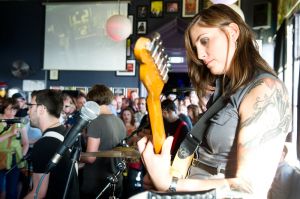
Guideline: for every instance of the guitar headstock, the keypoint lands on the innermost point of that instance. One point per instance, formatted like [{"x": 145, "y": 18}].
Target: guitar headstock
[
  {"x": 154, "y": 74},
  {"x": 153, "y": 63}
]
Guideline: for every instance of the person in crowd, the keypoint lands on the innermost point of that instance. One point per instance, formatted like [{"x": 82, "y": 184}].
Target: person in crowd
[
  {"x": 118, "y": 100},
  {"x": 68, "y": 111},
  {"x": 80, "y": 100},
  {"x": 173, "y": 125},
  {"x": 127, "y": 116},
  {"x": 133, "y": 97},
  {"x": 182, "y": 108},
  {"x": 193, "y": 113},
  {"x": 142, "y": 107},
  {"x": 186, "y": 100},
  {"x": 125, "y": 103},
  {"x": 44, "y": 111},
  {"x": 13, "y": 147},
  {"x": 103, "y": 133},
  {"x": 241, "y": 147},
  {"x": 21, "y": 100},
  {"x": 32, "y": 133},
  {"x": 194, "y": 98},
  {"x": 182, "y": 114}
]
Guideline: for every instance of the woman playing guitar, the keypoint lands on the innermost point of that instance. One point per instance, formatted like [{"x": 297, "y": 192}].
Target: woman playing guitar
[{"x": 241, "y": 147}]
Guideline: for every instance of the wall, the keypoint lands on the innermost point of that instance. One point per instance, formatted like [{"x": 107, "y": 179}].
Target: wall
[{"x": 22, "y": 38}]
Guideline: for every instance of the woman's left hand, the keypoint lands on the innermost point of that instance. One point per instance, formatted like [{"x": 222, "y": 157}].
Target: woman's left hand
[{"x": 157, "y": 165}]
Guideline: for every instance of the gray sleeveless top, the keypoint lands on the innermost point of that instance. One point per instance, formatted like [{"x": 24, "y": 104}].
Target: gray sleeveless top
[{"x": 219, "y": 145}]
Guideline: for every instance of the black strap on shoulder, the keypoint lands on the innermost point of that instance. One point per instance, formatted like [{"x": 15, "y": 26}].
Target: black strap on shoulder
[{"x": 194, "y": 137}]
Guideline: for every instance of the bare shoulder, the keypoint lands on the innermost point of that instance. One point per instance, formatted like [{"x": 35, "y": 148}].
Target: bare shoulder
[{"x": 266, "y": 106}]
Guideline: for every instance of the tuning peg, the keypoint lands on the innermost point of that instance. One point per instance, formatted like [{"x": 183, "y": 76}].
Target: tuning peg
[
  {"x": 159, "y": 55},
  {"x": 156, "y": 48},
  {"x": 154, "y": 41},
  {"x": 161, "y": 61}
]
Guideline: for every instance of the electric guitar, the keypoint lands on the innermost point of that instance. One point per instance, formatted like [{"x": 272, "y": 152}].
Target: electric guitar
[{"x": 153, "y": 74}]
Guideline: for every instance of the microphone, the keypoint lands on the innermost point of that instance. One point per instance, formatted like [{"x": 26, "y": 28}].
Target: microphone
[
  {"x": 88, "y": 112},
  {"x": 23, "y": 120}
]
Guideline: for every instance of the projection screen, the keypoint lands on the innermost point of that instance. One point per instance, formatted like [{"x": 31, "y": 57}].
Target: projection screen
[{"x": 76, "y": 39}]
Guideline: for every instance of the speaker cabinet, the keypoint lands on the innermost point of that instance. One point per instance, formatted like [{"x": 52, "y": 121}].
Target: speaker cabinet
[{"x": 262, "y": 15}]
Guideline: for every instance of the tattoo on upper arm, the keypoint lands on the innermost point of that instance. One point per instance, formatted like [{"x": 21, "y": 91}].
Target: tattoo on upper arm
[{"x": 277, "y": 101}]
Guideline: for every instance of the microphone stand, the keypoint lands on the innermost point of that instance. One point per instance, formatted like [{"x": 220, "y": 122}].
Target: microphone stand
[
  {"x": 75, "y": 157},
  {"x": 113, "y": 180},
  {"x": 26, "y": 157},
  {"x": 123, "y": 142}
]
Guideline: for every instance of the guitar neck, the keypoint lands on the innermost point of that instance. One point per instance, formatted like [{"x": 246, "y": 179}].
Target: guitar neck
[
  {"x": 154, "y": 87},
  {"x": 153, "y": 74},
  {"x": 157, "y": 125}
]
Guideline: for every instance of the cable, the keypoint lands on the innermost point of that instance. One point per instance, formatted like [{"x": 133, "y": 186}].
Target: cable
[{"x": 36, "y": 193}]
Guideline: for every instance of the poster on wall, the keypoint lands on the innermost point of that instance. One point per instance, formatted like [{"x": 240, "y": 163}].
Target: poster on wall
[{"x": 31, "y": 85}]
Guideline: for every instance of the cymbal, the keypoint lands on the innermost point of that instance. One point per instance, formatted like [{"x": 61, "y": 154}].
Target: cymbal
[{"x": 118, "y": 152}]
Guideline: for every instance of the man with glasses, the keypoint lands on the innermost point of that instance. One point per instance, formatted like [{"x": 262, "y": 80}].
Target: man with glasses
[{"x": 44, "y": 111}]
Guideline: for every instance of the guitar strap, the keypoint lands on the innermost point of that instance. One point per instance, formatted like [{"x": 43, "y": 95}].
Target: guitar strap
[{"x": 193, "y": 139}]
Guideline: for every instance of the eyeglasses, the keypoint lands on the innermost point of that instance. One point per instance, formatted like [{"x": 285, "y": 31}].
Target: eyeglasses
[{"x": 30, "y": 105}]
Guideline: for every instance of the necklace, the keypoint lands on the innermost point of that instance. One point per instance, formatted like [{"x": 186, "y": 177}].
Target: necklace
[{"x": 54, "y": 125}]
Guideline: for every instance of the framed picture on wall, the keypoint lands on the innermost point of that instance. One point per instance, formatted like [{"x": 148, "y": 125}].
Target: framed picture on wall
[
  {"x": 141, "y": 27},
  {"x": 142, "y": 12},
  {"x": 129, "y": 90},
  {"x": 119, "y": 91},
  {"x": 130, "y": 69},
  {"x": 156, "y": 8},
  {"x": 190, "y": 8},
  {"x": 172, "y": 7}
]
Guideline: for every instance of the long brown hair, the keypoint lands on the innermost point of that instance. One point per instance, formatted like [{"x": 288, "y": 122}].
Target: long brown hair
[{"x": 246, "y": 59}]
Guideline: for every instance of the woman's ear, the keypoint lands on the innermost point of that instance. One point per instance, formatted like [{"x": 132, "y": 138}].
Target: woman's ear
[{"x": 234, "y": 31}]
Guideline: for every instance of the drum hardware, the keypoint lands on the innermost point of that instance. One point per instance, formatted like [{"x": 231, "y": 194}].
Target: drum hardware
[
  {"x": 113, "y": 180},
  {"x": 117, "y": 152}
]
